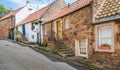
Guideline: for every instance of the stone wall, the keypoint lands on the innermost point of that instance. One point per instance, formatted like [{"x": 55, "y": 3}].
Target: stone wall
[
  {"x": 109, "y": 58},
  {"x": 5, "y": 25},
  {"x": 57, "y": 5},
  {"x": 46, "y": 29},
  {"x": 79, "y": 22},
  {"x": 79, "y": 28}
]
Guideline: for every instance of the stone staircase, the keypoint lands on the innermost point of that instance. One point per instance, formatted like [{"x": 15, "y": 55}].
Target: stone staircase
[
  {"x": 20, "y": 37},
  {"x": 62, "y": 50}
]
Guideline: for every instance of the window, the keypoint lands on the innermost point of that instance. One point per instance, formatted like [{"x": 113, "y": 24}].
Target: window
[
  {"x": 33, "y": 26},
  {"x": 81, "y": 48},
  {"x": 32, "y": 36},
  {"x": 66, "y": 23},
  {"x": 104, "y": 37}
]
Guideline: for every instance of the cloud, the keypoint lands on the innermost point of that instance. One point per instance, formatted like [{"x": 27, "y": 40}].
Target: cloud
[
  {"x": 34, "y": 3},
  {"x": 17, "y": 1},
  {"x": 70, "y": 1}
]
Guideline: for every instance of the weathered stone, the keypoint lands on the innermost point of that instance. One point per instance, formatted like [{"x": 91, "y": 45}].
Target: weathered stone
[{"x": 5, "y": 26}]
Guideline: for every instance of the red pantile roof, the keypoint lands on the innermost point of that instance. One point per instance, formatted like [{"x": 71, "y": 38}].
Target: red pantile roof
[
  {"x": 64, "y": 11},
  {"x": 35, "y": 15},
  {"x": 109, "y": 8},
  {"x": 11, "y": 13}
]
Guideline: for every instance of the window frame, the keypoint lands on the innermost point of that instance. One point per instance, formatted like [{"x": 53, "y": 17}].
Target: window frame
[
  {"x": 45, "y": 29},
  {"x": 67, "y": 23},
  {"x": 32, "y": 26},
  {"x": 97, "y": 27},
  {"x": 77, "y": 48}
]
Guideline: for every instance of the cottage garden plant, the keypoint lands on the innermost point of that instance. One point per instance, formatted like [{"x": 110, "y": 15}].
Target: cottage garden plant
[{"x": 104, "y": 46}]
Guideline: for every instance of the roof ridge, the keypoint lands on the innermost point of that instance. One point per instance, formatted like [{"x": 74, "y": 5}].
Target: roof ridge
[
  {"x": 38, "y": 11},
  {"x": 65, "y": 10}
]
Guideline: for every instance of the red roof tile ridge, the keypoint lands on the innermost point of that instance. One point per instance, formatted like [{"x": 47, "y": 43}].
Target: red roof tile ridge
[
  {"x": 65, "y": 10},
  {"x": 41, "y": 12}
]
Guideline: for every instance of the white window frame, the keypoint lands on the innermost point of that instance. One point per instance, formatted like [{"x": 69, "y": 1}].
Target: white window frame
[
  {"x": 97, "y": 27},
  {"x": 77, "y": 48},
  {"x": 45, "y": 30},
  {"x": 67, "y": 24}
]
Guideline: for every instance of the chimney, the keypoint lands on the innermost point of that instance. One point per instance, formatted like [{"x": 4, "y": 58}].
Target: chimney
[
  {"x": 28, "y": 5},
  {"x": 69, "y": 5}
]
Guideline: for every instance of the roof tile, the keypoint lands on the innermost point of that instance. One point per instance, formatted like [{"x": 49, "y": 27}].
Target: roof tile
[
  {"x": 35, "y": 15},
  {"x": 110, "y": 8},
  {"x": 74, "y": 6}
]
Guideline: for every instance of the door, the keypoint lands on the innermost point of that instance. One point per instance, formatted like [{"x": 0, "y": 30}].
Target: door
[
  {"x": 59, "y": 32},
  {"x": 12, "y": 34},
  {"x": 23, "y": 29}
]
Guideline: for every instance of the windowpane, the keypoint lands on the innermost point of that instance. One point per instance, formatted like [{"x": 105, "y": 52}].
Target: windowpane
[
  {"x": 82, "y": 47},
  {"x": 105, "y": 35},
  {"x": 67, "y": 23}
]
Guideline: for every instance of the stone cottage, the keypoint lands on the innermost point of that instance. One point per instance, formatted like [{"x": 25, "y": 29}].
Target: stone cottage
[
  {"x": 12, "y": 19},
  {"x": 71, "y": 25},
  {"x": 32, "y": 24},
  {"x": 106, "y": 22},
  {"x": 6, "y": 23}
]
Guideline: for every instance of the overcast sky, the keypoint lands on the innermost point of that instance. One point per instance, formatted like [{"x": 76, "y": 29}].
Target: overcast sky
[{"x": 14, "y": 4}]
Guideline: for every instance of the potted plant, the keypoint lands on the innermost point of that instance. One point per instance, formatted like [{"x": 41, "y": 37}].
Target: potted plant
[{"x": 104, "y": 46}]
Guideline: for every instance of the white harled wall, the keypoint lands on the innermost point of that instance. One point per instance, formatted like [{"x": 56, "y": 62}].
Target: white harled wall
[
  {"x": 21, "y": 15},
  {"x": 30, "y": 33}
]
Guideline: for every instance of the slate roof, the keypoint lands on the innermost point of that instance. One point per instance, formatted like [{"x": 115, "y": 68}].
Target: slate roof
[
  {"x": 64, "y": 11},
  {"x": 11, "y": 13},
  {"x": 109, "y": 8}
]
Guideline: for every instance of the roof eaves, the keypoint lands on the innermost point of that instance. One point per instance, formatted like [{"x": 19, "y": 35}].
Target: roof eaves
[{"x": 105, "y": 19}]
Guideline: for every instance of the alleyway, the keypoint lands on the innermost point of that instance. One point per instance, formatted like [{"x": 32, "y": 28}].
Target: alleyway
[{"x": 16, "y": 57}]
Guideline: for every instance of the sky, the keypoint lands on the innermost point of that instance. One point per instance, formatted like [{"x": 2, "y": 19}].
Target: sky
[{"x": 14, "y": 4}]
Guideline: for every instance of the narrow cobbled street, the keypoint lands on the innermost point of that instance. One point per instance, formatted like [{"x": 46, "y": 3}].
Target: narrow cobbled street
[{"x": 16, "y": 57}]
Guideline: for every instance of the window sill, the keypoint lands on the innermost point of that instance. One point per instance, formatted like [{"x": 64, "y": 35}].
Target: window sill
[
  {"x": 109, "y": 51},
  {"x": 67, "y": 28}
]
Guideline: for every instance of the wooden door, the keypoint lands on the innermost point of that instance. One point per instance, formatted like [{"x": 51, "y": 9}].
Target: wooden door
[{"x": 59, "y": 33}]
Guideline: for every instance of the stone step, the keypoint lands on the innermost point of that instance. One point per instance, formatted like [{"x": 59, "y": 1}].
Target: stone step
[
  {"x": 67, "y": 52},
  {"x": 63, "y": 49},
  {"x": 70, "y": 54},
  {"x": 65, "y": 55}
]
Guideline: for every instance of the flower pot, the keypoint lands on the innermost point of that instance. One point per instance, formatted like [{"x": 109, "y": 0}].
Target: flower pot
[{"x": 104, "y": 47}]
